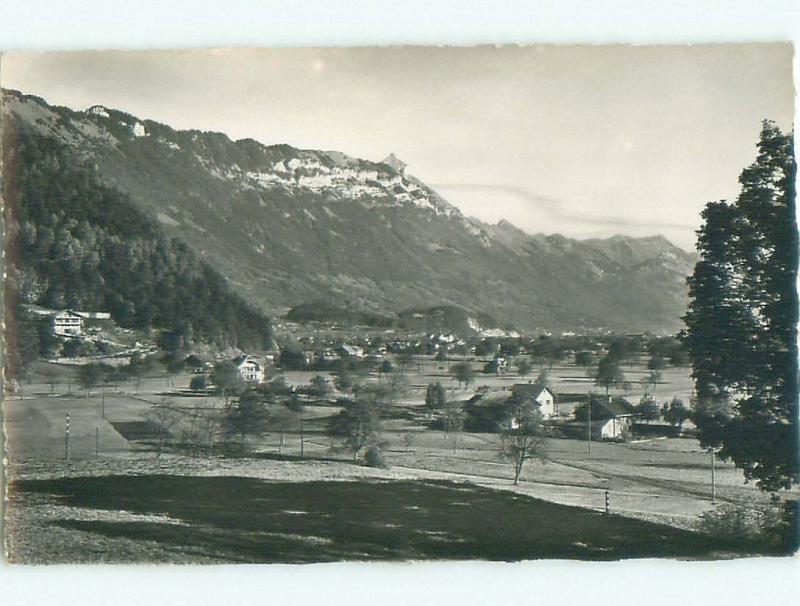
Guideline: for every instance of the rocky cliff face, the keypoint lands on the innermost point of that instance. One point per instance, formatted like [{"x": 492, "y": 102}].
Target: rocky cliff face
[{"x": 288, "y": 226}]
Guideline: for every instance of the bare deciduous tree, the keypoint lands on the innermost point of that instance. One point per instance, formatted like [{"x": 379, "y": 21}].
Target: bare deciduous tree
[
  {"x": 163, "y": 418},
  {"x": 522, "y": 437},
  {"x": 200, "y": 430}
]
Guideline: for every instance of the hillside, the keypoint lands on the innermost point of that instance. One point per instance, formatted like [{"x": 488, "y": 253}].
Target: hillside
[
  {"x": 75, "y": 243},
  {"x": 289, "y": 227}
]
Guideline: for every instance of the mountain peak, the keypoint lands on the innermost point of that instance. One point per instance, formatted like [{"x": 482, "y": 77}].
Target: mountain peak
[{"x": 395, "y": 162}]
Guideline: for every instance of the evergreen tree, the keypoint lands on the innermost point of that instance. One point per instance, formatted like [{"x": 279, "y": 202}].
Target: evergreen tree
[
  {"x": 77, "y": 243},
  {"x": 742, "y": 318}
]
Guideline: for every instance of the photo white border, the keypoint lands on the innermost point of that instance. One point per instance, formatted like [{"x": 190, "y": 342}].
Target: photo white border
[{"x": 52, "y": 24}]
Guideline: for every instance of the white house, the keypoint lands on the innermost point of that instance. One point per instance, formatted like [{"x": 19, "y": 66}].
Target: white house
[
  {"x": 540, "y": 394},
  {"x": 611, "y": 417},
  {"x": 250, "y": 370},
  {"x": 351, "y": 351},
  {"x": 67, "y": 323}
]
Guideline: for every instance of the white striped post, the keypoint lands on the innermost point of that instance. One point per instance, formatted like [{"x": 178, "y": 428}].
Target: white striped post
[
  {"x": 66, "y": 437},
  {"x": 608, "y": 503}
]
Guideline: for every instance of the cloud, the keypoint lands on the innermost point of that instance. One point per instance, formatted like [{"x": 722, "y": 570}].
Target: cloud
[
  {"x": 556, "y": 208},
  {"x": 536, "y": 213}
]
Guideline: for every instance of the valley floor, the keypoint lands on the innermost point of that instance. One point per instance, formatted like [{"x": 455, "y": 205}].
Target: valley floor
[{"x": 116, "y": 501}]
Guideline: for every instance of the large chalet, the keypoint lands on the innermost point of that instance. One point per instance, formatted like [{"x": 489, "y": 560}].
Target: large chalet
[{"x": 250, "y": 369}]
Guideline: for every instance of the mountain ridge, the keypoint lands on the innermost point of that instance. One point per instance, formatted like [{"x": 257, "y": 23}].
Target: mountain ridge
[{"x": 288, "y": 226}]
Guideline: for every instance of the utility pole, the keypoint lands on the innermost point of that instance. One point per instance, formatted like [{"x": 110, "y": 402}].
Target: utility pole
[
  {"x": 302, "y": 437},
  {"x": 96, "y": 441},
  {"x": 589, "y": 423},
  {"x": 713, "y": 478}
]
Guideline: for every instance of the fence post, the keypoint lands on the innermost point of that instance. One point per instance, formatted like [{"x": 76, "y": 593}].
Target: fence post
[{"x": 66, "y": 437}]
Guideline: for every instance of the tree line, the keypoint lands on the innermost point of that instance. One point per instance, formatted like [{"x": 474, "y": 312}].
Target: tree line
[{"x": 73, "y": 242}]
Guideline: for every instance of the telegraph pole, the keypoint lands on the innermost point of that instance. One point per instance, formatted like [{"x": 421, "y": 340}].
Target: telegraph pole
[
  {"x": 302, "y": 437},
  {"x": 589, "y": 423},
  {"x": 713, "y": 478}
]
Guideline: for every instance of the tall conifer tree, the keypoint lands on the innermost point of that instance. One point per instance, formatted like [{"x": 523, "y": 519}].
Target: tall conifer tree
[{"x": 742, "y": 319}]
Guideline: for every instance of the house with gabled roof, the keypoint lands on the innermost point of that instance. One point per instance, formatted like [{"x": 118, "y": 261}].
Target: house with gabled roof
[
  {"x": 611, "y": 418},
  {"x": 250, "y": 369},
  {"x": 350, "y": 351},
  {"x": 539, "y": 395}
]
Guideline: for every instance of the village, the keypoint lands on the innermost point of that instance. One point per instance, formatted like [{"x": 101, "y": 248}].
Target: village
[
  {"x": 496, "y": 369},
  {"x": 363, "y": 403}
]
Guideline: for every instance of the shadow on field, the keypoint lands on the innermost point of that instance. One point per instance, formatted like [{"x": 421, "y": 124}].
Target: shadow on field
[{"x": 251, "y": 520}]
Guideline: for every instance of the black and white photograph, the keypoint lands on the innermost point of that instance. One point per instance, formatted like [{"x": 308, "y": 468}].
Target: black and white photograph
[{"x": 492, "y": 303}]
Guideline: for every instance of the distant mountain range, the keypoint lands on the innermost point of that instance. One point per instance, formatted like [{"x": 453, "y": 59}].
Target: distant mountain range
[{"x": 289, "y": 227}]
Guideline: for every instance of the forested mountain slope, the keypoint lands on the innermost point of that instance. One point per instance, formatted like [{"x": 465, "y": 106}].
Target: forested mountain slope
[{"x": 72, "y": 242}]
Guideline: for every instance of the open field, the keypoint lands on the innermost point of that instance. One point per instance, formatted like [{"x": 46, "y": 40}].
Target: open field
[
  {"x": 157, "y": 508},
  {"x": 230, "y": 519}
]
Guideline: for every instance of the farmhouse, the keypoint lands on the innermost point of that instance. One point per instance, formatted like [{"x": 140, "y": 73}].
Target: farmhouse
[
  {"x": 611, "y": 418},
  {"x": 540, "y": 395},
  {"x": 249, "y": 369},
  {"x": 69, "y": 323},
  {"x": 350, "y": 351},
  {"x": 489, "y": 409}
]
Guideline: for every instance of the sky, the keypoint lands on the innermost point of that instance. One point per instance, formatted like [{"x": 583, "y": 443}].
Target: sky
[{"x": 586, "y": 141}]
